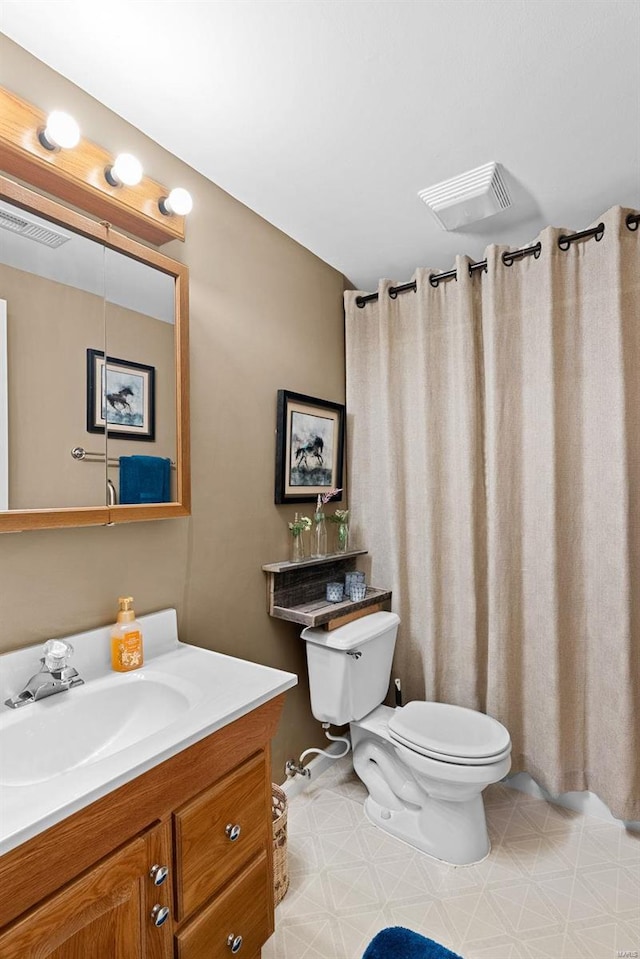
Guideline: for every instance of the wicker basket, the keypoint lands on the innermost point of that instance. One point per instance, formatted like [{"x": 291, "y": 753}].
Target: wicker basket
[{"x": 280, "y": 866}]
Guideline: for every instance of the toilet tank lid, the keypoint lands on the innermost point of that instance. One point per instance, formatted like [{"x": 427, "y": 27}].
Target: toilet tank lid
[{"x": 353, "y": 634}]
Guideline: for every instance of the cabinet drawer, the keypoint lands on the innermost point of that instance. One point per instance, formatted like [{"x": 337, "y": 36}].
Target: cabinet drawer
[
  {"x": 243, "y": 909},
  {"x": 206, "y": 855}
]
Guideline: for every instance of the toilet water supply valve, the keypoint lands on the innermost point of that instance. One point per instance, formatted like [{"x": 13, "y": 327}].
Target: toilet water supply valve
[{"x": 293, "y": 768}]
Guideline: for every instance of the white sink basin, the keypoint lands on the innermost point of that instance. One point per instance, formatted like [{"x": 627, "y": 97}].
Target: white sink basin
[
  {"x": 62, "y": 753},
  {"x": 87, "y": 724}
]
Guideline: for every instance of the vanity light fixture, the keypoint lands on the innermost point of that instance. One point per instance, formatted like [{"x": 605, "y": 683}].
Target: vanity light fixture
[
  {"x": 61, "y": 131},
  {"x": 89, "y": 176},
  {"x": 179, "y": 202},
  {"x": 126, "y": 171}
]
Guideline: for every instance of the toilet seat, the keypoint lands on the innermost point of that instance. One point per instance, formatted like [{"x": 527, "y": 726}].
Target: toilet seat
[
  {"x": 450, "y": 734},
  {"x": 448, "y": 757}
]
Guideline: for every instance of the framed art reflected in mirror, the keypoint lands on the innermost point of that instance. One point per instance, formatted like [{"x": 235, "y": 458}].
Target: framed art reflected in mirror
[{"x": 121, "y": 396}]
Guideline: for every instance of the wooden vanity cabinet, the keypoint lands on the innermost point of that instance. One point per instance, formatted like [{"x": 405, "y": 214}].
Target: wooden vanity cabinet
[{"x": 85, "y": 888}]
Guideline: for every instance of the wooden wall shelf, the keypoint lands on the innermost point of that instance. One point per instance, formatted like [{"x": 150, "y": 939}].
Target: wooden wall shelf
[
  {"x": 296, "y": 591},
  {"x": 285, "y": 566}
]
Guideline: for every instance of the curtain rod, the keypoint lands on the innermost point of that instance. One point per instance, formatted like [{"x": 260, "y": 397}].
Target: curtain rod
[{"x": 508, "y": 258}]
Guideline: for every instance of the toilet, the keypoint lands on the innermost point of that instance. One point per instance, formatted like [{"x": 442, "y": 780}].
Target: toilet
[{"x": 424, "y": 764}]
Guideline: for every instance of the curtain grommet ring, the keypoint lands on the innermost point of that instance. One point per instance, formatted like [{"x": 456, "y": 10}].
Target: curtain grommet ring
[
  {"x": 393, "y": 293},
  {"x": 566, "y": 239},
  {"x": 433, "y": 280},
  {"x": 509, "y": 257},
  {"x": 360, "y": 302},
  {"x": 632, "y": 221}
]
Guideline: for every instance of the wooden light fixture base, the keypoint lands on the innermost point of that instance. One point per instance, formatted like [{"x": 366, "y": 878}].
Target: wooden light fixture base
[{"x": 77, "y": 175}]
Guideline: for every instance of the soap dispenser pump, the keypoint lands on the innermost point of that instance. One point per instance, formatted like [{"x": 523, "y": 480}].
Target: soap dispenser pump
[{"x": 126, "y": 638}]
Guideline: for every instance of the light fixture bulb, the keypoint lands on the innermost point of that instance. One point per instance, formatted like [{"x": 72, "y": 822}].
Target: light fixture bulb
[
  {"x": 179, "y": 202},
  {"x": 126, "y": 170},
  {"x": 61, "y": 131}
]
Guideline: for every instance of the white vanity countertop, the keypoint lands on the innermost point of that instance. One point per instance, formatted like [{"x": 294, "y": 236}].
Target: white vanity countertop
[{"x": 62, "y": 753}]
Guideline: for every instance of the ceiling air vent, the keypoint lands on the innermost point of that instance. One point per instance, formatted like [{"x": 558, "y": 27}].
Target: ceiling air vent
[
  {"x": 31, "y": 230},
  {"x": 469, "y": 197}
]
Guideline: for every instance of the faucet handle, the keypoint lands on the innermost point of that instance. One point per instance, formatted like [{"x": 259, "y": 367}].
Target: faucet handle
[{"x": 56, "y": 654}]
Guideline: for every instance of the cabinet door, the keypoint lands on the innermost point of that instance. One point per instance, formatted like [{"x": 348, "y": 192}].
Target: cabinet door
[
  {"x": 95, "y": 917},
  {"x": 220, "y": 831}
]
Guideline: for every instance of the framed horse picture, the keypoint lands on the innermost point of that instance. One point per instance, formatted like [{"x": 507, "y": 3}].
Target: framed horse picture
[
  {"x": 120, "y": 397},
  {"x": 309, "y": 447}
]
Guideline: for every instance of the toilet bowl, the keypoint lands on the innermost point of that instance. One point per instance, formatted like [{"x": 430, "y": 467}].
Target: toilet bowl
[
  {"x": 434, "y": 804},
  {"x": 425, "y": 764}
]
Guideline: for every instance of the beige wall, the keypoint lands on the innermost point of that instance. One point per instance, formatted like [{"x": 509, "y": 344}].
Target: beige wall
[
  {"x": 49, "y": 327},
  {"x": 265, "y": 314}
]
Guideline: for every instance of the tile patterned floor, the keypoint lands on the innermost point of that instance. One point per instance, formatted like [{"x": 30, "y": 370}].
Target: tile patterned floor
[{"x": 557, "y": 884}]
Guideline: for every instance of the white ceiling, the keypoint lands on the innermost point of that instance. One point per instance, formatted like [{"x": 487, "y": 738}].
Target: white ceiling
[{"x": 327, "y": 116}]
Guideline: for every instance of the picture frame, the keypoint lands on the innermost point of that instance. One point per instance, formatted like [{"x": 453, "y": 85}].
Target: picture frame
[
  {"x": 309, "y": 447},
  {"x": 120, "y": 397}
]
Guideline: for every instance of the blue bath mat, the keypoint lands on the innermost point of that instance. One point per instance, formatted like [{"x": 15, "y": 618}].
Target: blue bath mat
[{"x": 396, "y": 942}]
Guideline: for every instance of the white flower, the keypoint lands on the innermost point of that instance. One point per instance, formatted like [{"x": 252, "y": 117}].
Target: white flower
[{"x": 301, "y": 525}]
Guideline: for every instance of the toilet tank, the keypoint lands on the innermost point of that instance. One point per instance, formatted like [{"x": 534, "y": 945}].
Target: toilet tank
[{"x": 345, "y": 687}]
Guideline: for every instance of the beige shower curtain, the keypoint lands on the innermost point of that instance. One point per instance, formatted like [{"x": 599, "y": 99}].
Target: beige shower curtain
[{"x": 494, "y": 473}]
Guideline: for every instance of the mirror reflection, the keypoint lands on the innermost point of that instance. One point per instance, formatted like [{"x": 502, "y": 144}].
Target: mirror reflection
[
  {"x": 66, "y": 303},
  {"x": 138, "y": 386}
]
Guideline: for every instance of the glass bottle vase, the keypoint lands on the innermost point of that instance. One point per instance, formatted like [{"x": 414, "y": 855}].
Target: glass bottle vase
[
  {"x": 342, "y": 538},
  {"x": 297, "y": 547},
  {"x": 319, "y": 536}
]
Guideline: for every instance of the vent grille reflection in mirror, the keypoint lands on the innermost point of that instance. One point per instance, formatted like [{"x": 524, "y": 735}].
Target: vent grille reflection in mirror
[{"x": 31, "y": 231}]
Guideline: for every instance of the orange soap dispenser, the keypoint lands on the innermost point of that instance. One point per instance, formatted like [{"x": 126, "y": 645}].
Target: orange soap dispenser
[{"x": 126, "y": 638}]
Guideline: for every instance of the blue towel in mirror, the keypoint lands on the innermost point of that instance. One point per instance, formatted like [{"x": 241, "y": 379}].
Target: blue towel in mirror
[{"x": 145, "y": 479}]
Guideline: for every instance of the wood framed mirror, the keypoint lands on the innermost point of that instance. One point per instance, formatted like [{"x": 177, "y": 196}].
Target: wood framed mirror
[{"x": 93, "y": 371}]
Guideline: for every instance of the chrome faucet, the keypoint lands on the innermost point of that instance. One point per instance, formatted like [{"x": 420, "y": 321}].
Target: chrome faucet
[{"x": 55, "y": 676}]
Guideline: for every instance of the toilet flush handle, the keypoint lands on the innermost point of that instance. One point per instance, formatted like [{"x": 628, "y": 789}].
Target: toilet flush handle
[{"x": 355, "y": 653}]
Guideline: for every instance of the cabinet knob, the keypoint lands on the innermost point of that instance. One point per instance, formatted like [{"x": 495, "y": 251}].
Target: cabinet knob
[
  {"x": 159, "y": 914},
  {"x": 233, "y": 833},
  {"x": 158, "y": 874},
  {"x": 234, "y": 943}
]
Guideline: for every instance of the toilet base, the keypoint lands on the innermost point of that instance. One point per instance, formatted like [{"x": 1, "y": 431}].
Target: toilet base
[
  {"x": 411, "y": 808},
  {"x": 403, "y": 824}
]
